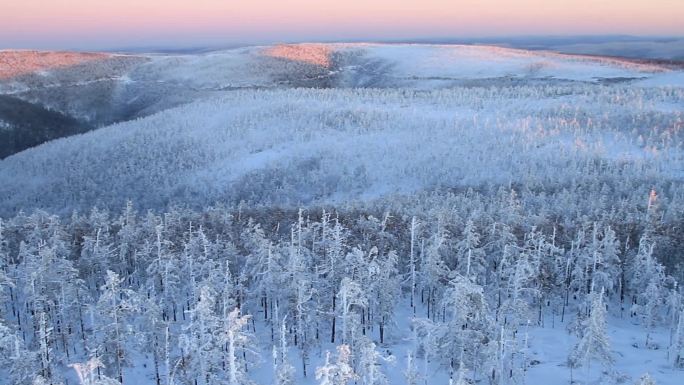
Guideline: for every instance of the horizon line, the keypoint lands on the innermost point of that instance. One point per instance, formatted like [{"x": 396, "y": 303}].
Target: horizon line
[{"x": 465, "y": 40}]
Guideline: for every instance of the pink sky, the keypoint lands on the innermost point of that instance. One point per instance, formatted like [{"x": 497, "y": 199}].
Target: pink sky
[{"x": 119, "y": 23}]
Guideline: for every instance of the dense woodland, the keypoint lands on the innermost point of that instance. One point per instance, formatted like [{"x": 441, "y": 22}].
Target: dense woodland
[{"x": 200, "y": 293}]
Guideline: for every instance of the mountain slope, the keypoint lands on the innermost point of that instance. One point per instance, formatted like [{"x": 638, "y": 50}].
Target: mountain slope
[{"x": 291, "y": 147}]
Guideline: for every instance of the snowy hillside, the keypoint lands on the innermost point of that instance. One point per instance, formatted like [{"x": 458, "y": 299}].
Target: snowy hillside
[
  {"x": 342, "y": 214},
  {"x": 322, "y": 146}
]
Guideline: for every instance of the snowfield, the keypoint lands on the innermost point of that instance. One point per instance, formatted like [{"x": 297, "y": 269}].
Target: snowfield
[{"x": 341, "y": 214}]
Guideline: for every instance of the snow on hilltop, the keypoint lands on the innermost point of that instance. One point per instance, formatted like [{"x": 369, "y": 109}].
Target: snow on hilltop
[
  {"x": 16, "y": 63},
  {"x": 381, "y": 65},
  {"x": 391, "y": 64},
  {"x": 316, "y": 54}
]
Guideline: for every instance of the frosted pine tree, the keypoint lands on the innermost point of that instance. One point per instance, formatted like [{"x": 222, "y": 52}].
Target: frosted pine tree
[
  {"x": 594, "y": 344},
  {"x": 96, "y": 255},
  {"x": 200, "y": 347},
  {"x": 20, "y": 363},
  {"x": 468, "y": 323},
  {"x": 338, "y": 373},
  {"x": 649, "y": 304},
  {"x": 411, "y": 373},
  {"x": 674, "y": 304},
  {"x": 284, "y": 372},
  {"x": 115, "y": 305},
  {"x": 607, "y": 263},
  {"x": 412, "y": 270},
  {"x": 644, "y": 268},
  {"x": 332, "y": 268},
  {"x": 385, "y": 290},
  {"x": 646, "y": 379},
  {"x": 470, "y": 257},
  {"x": 45, "y": 350},
  {"x": 262, "y": 266},
  {"x": 236, "y": 339},
  {"x": 5, "y": 281},
  {"x": 426, "y": 335},
  {"x": 676, "y": 352},
  {"x": 350, "y": 298},
  {"x": 520, "y": 291},
  {"x": 300, "y": 291},
  {"x": 87, "y": 373},
  {"x": 370, "y": 364},
  {"x": 164, "y": 275},
  {"x": 433, "y": 270}
]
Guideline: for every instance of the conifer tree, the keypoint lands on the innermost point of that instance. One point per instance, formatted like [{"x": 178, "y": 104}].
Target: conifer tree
[
  {"x": 338, "y": 373},
  {"x": 594, "y": 344}
]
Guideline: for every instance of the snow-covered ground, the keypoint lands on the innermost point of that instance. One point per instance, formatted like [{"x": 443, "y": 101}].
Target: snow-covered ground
[{"x": 548, "y": 348}]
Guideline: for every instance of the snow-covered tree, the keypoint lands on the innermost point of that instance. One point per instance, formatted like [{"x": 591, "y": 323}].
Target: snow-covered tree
[
  {"x": 649, "y": 305},
  {"x": 593, "y": 344},
  {"x": 468, "y": 325},
  {"x": 114, "y": 309},
  {"x": 237, "y": 340},
  {"x": 351, "y": 298},
  {"x": 646, "y": 379},
  {"x": 383, "y": 289},
  {"x": 519, "y": 293},
  {"x": 411, "y": 373},
  {"x": 676, "y": 352},
  {"x": 283, "y": 370},
  {"x": 433, "y": 270},
  {"x": 470, "y": 257},
  {"x": 201, "y": 345},
  {"x": 87, "y": 373},
  {"x": 20, "y": 363},
  {"x": 370, "y": 364},
  {"x": 338, "y": 373}
]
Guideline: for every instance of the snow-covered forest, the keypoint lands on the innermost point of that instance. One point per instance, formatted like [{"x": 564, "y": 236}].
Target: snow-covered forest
[
  {"x": 495, "y": 229},
  {"x": 454, "y": 282}
]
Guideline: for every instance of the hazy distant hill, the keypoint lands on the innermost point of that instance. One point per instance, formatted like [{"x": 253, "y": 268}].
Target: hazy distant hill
[{"x": 24, "y": 125}]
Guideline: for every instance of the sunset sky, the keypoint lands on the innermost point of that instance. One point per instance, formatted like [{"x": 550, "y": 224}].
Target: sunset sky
[{"x": 84, "y": 24}]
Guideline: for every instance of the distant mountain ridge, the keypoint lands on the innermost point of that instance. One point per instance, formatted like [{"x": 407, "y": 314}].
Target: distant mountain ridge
[{"x": 99, "y": 89}]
